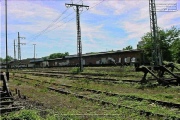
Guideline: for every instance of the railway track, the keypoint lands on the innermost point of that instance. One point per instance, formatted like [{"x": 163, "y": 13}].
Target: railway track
[
  {"x": 103, "y": 102},
  {"x": 7, "y": 101},
  {"x": 163, "y": 103},
  {"x": 89, "y": 77},
  {"x": 85, "y": 73}
]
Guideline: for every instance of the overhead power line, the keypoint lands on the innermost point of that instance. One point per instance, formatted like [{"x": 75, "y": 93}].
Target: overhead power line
[
  {"x": 73, "y": 17},
  {"x": 49, "y": 26},
  {"x": 52, "y": 24},
  {"x": 97, "y": 4},
  {"x": 47, "y": 29},
  {"x": 61, "y": 24}
]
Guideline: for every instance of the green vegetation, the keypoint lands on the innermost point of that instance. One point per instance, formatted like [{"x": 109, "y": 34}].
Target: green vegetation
[
  {"x": 9, "y": 58},
  {"x": 22, "y": 115},
  {"x": 35, "y": 115},
  {"x": 56, "y": 55},
  {"x": 68, "y": 106},
  {"x": 128, "y": 48},
  {"x": 75, "y": 70},
  {"x": 169, "y": 44}
]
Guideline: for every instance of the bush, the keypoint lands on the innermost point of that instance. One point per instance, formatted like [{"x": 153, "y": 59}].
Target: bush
[
  {"x": 22, "y": 115},
  {"x": 75, "y": 70}
]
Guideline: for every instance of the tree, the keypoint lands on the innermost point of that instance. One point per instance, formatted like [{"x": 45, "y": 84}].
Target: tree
[
  {"x": 128, "y": 48},
  {"x": 45, "y": 58},
  {"x": 169, "y": 44},
  {"x": 58, "y": 55},
  {"x": 1, "y": 59},
  {"x": 175, "y": 50},
  {"x": 66, "y": 53},
  {"x": 9, "y": 58}
]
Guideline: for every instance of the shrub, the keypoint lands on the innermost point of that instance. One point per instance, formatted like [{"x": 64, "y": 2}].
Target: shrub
[
  {"x": 23, "y": 115},
  {"x": 75, "y": 70}
]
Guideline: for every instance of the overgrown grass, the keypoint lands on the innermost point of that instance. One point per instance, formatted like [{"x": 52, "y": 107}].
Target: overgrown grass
[
  {"x": 70, "y": 107},
  {"x": 75, "y": 70},
  {"x": 22, "y": 115}
]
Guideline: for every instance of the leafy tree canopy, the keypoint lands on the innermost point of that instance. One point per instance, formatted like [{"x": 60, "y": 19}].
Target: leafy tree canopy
[
  {"x": 128, "y": 48},
  {"x": 1, "y": 59},
  {"x": 169, "y": 44},
  {"x": 58, "y": 55},
  {"x": 45, "y": 58},
  {"x": 9, "y": 58}
]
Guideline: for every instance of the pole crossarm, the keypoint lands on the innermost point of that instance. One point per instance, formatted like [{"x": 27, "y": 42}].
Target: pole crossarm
[{"x": 77, "y": 5}]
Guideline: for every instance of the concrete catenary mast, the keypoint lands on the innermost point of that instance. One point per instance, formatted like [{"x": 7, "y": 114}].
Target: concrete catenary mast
[
  {"x": 79, "y": 44},
  {"x": 19, "y": 48}
]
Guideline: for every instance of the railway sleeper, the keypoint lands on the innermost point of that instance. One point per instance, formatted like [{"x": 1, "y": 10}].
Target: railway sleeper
[
  {"x": 6, "y": 98},
  {"x": 10, "y": 109},
  {"x": 2, "y": 103}
]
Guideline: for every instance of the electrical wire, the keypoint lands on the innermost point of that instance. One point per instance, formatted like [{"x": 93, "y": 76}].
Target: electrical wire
[
  {"x": 46, "y": 30},
  {"x": 53, "y": 23},
  {"x": 50, "y": 25},
  {"x": 97, "y": 4},
  {"x": 62, "y": 23},
  {"x": 74, "y": 17}
]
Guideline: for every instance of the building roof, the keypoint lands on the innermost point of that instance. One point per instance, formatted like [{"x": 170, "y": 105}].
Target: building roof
[
  {"x": 24, "y": 61},
  {"x": 36, "y": 60},
  {"x": 102, "y": 53},
  {"x": 31, "y": 60}
]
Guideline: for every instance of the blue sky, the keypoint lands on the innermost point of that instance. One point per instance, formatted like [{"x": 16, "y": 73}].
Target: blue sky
[{"x": 107, "y": 25}]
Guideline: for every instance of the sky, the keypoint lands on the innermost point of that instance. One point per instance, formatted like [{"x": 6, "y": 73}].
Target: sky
[{"x": 106, "y": 25}]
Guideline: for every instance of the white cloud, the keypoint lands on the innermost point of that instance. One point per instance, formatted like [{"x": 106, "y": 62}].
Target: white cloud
[
  {"x": 27, "y": 10},
  {"x": 137, "y": 23},
  {"x": 136, "y": 29},
  {"x": 30, "y": 15},
  {"x": 123, "y": 6},
  {"x": 166, "y": 20},
  {"x": 100, "y": 25},
  {"x": 94, "y": 7}
]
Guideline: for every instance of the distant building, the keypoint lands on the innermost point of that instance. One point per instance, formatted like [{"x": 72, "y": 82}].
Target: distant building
[{"x": 119, "y": 57}]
